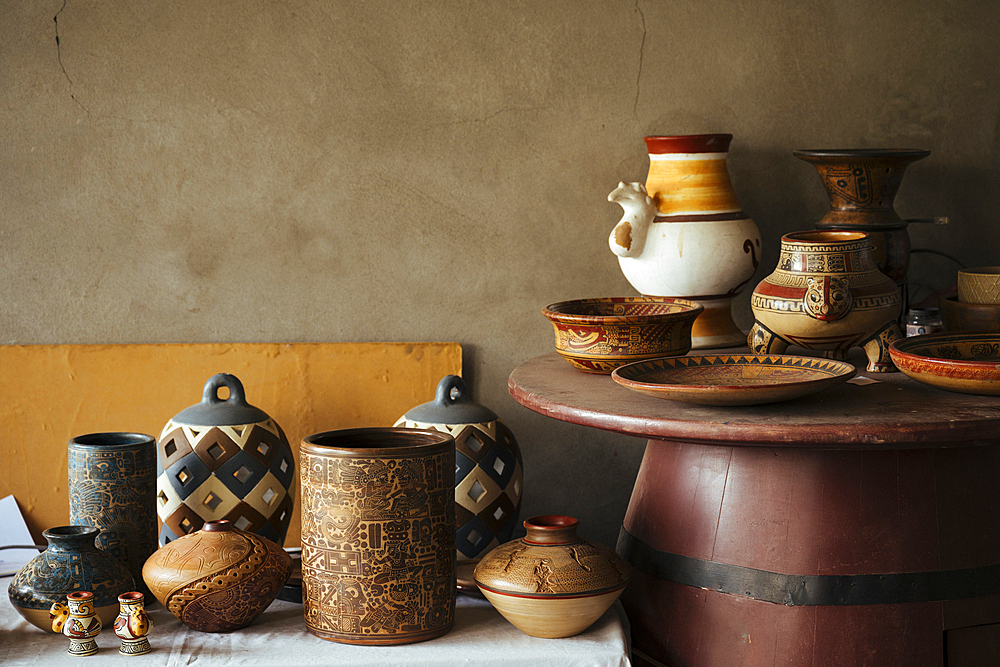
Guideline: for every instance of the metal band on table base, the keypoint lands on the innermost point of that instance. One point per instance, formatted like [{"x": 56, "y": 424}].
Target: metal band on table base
[{"x": 810, "y": 590}]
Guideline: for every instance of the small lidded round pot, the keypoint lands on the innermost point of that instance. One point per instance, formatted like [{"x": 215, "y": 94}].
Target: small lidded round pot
[
  {"x": 551, "y": 583},
  {"x": 599, "y": 335},
  {"x": 219, "y": 578}
]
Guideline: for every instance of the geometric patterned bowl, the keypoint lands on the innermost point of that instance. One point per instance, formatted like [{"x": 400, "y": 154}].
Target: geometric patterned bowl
[
  {"x": 968, "y": 363},
  {"x": 733, "y": 379},
  {"x": 599, "y": 335},
  {"x": 979, "y": 285}
]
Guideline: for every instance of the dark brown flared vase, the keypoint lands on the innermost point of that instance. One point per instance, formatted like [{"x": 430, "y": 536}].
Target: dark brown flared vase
[
  {"x": 862, "y": 184},
  {"x": 378, "y": 534}
]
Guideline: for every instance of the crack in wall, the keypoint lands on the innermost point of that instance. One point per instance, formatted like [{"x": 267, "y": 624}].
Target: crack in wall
[
  {"x": 55, "y": 19},
  {"x": 642, "y": 49}
]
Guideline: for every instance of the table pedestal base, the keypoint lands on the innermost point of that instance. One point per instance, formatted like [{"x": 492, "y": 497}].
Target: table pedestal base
[{"x": 797, "y": 556}]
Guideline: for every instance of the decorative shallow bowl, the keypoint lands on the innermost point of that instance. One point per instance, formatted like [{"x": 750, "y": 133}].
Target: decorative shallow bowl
[
  {"x": 735, "y": 379},
  {"x": 979, "y": 285},
  {"x": 599, "y": 335},
  {"x": 968, "y": 363},
  {"x": 958, "y": 316}
]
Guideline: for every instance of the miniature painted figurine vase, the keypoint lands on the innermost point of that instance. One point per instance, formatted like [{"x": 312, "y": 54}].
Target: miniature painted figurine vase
[
  {"x": 224, "y": 459},
  {"x": 112, "y": 486},
  {"x": 378, "y": 535},
  {"x": 218, "y": 578},
  {"x": 81, "y": 624},
  {"x": 71, "y": 563},
  {"x": 684, "y": 235},
  {"x": 551, "y": 583},
  {"x": 132, "y": 624},
  {"x": 488, "y": 469},
  {"x": 827, "y": 294}
]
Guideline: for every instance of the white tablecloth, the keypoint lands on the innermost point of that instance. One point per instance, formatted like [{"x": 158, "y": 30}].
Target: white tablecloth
[{"x": 279, "y": 638}]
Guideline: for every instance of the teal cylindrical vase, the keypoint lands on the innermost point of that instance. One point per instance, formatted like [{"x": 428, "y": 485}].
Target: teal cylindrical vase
[{"x": 112, "y": 486}]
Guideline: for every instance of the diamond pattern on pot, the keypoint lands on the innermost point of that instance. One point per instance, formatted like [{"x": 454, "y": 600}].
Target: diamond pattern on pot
[{"x": 212, "y": 472}]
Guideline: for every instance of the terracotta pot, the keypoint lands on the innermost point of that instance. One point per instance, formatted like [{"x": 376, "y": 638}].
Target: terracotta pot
[
  {"x": 71, "y": 563},
  {"x": 688, "y": 238},
  {"x": 862, "y": 184},
  {"x": 219, "y": 578},
  {"x": 551, "y": 583},
  {"x": 827, "y": 294},
  {"x": 112, "y": 486},
  {"x": 958, "y": 316},
  {"x": 378, "y": 534},
  {"x": 489, "y": 474},
  {"x": 224, "y": 459},
  {"x": 132, "y": 624}
]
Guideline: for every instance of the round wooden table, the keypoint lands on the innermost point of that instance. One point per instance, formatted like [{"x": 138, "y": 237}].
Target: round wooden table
[{"x": 856, "y": 526}]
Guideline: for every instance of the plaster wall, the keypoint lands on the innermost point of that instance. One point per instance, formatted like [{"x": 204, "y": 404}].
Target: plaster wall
[{"x": 303, "y": 171}]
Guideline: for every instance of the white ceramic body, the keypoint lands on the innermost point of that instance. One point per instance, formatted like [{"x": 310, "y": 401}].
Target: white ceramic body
[
  {"x": 695, "y": 260},
  {"x": 707, "y": 261}
]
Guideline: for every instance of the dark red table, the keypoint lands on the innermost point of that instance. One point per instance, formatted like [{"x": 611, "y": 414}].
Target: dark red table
[{"x": 857, "y": 526}]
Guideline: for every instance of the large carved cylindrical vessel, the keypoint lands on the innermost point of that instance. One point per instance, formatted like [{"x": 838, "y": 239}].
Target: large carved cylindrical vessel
[
  {"x": 378, "y": 534},
  {"x": 695, "y": 242},
  {"x": 112, "y": 486}
]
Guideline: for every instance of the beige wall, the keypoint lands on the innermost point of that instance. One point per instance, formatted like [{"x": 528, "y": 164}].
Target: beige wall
[{"x": 212, "y": 171}]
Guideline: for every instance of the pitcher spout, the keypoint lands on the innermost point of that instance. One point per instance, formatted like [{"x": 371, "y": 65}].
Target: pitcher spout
[{"x": 628, "y": 237}]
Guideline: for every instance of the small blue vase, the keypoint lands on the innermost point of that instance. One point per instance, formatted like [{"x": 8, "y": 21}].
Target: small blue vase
[{"x": 71, "y": 563}]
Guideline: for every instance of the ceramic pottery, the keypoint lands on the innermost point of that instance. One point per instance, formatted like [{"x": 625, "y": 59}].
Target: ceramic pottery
[
  {"x": 958, "y": 316},
  {"x": 551, "y": 583},
  {"x": 862, "y": 184},
  {"x": 112, "y": 486},
  {"x": 224, "y": 459},
  {"x": 132, "y": 624},
  {"x": 488, "y": 470},
  {"x": 733, "y": 379},
  {"x": 827, "y": 294},
  {"x": 979, "y": 285},
  {"x": 79, "y": 622},
  {"x": 599, "y": 335},
  {"x": 684, "y": 235},
  {"x": 219, "y": 578},
  {"x": 378, "y": 534},
  {"x": 71, "y": 563},
  {"x": 968, "y": 363}
]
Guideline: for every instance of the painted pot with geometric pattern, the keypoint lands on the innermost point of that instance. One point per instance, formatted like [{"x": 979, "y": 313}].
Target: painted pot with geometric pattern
[
  {"x": 224, "y": 459},
  {"x": 827, "y": 294},
  {"x": 219, "y": 578},
  {"x": 489, "y": 473}
]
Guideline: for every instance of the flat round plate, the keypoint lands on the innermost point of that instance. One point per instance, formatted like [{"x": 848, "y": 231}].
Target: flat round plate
[
  {"x": 743, "y": 379},
  {"x": 968, "y": 363}
]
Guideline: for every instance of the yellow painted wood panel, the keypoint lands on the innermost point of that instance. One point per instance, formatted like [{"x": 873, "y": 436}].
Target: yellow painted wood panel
[{"x": 51, "y": 393}]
